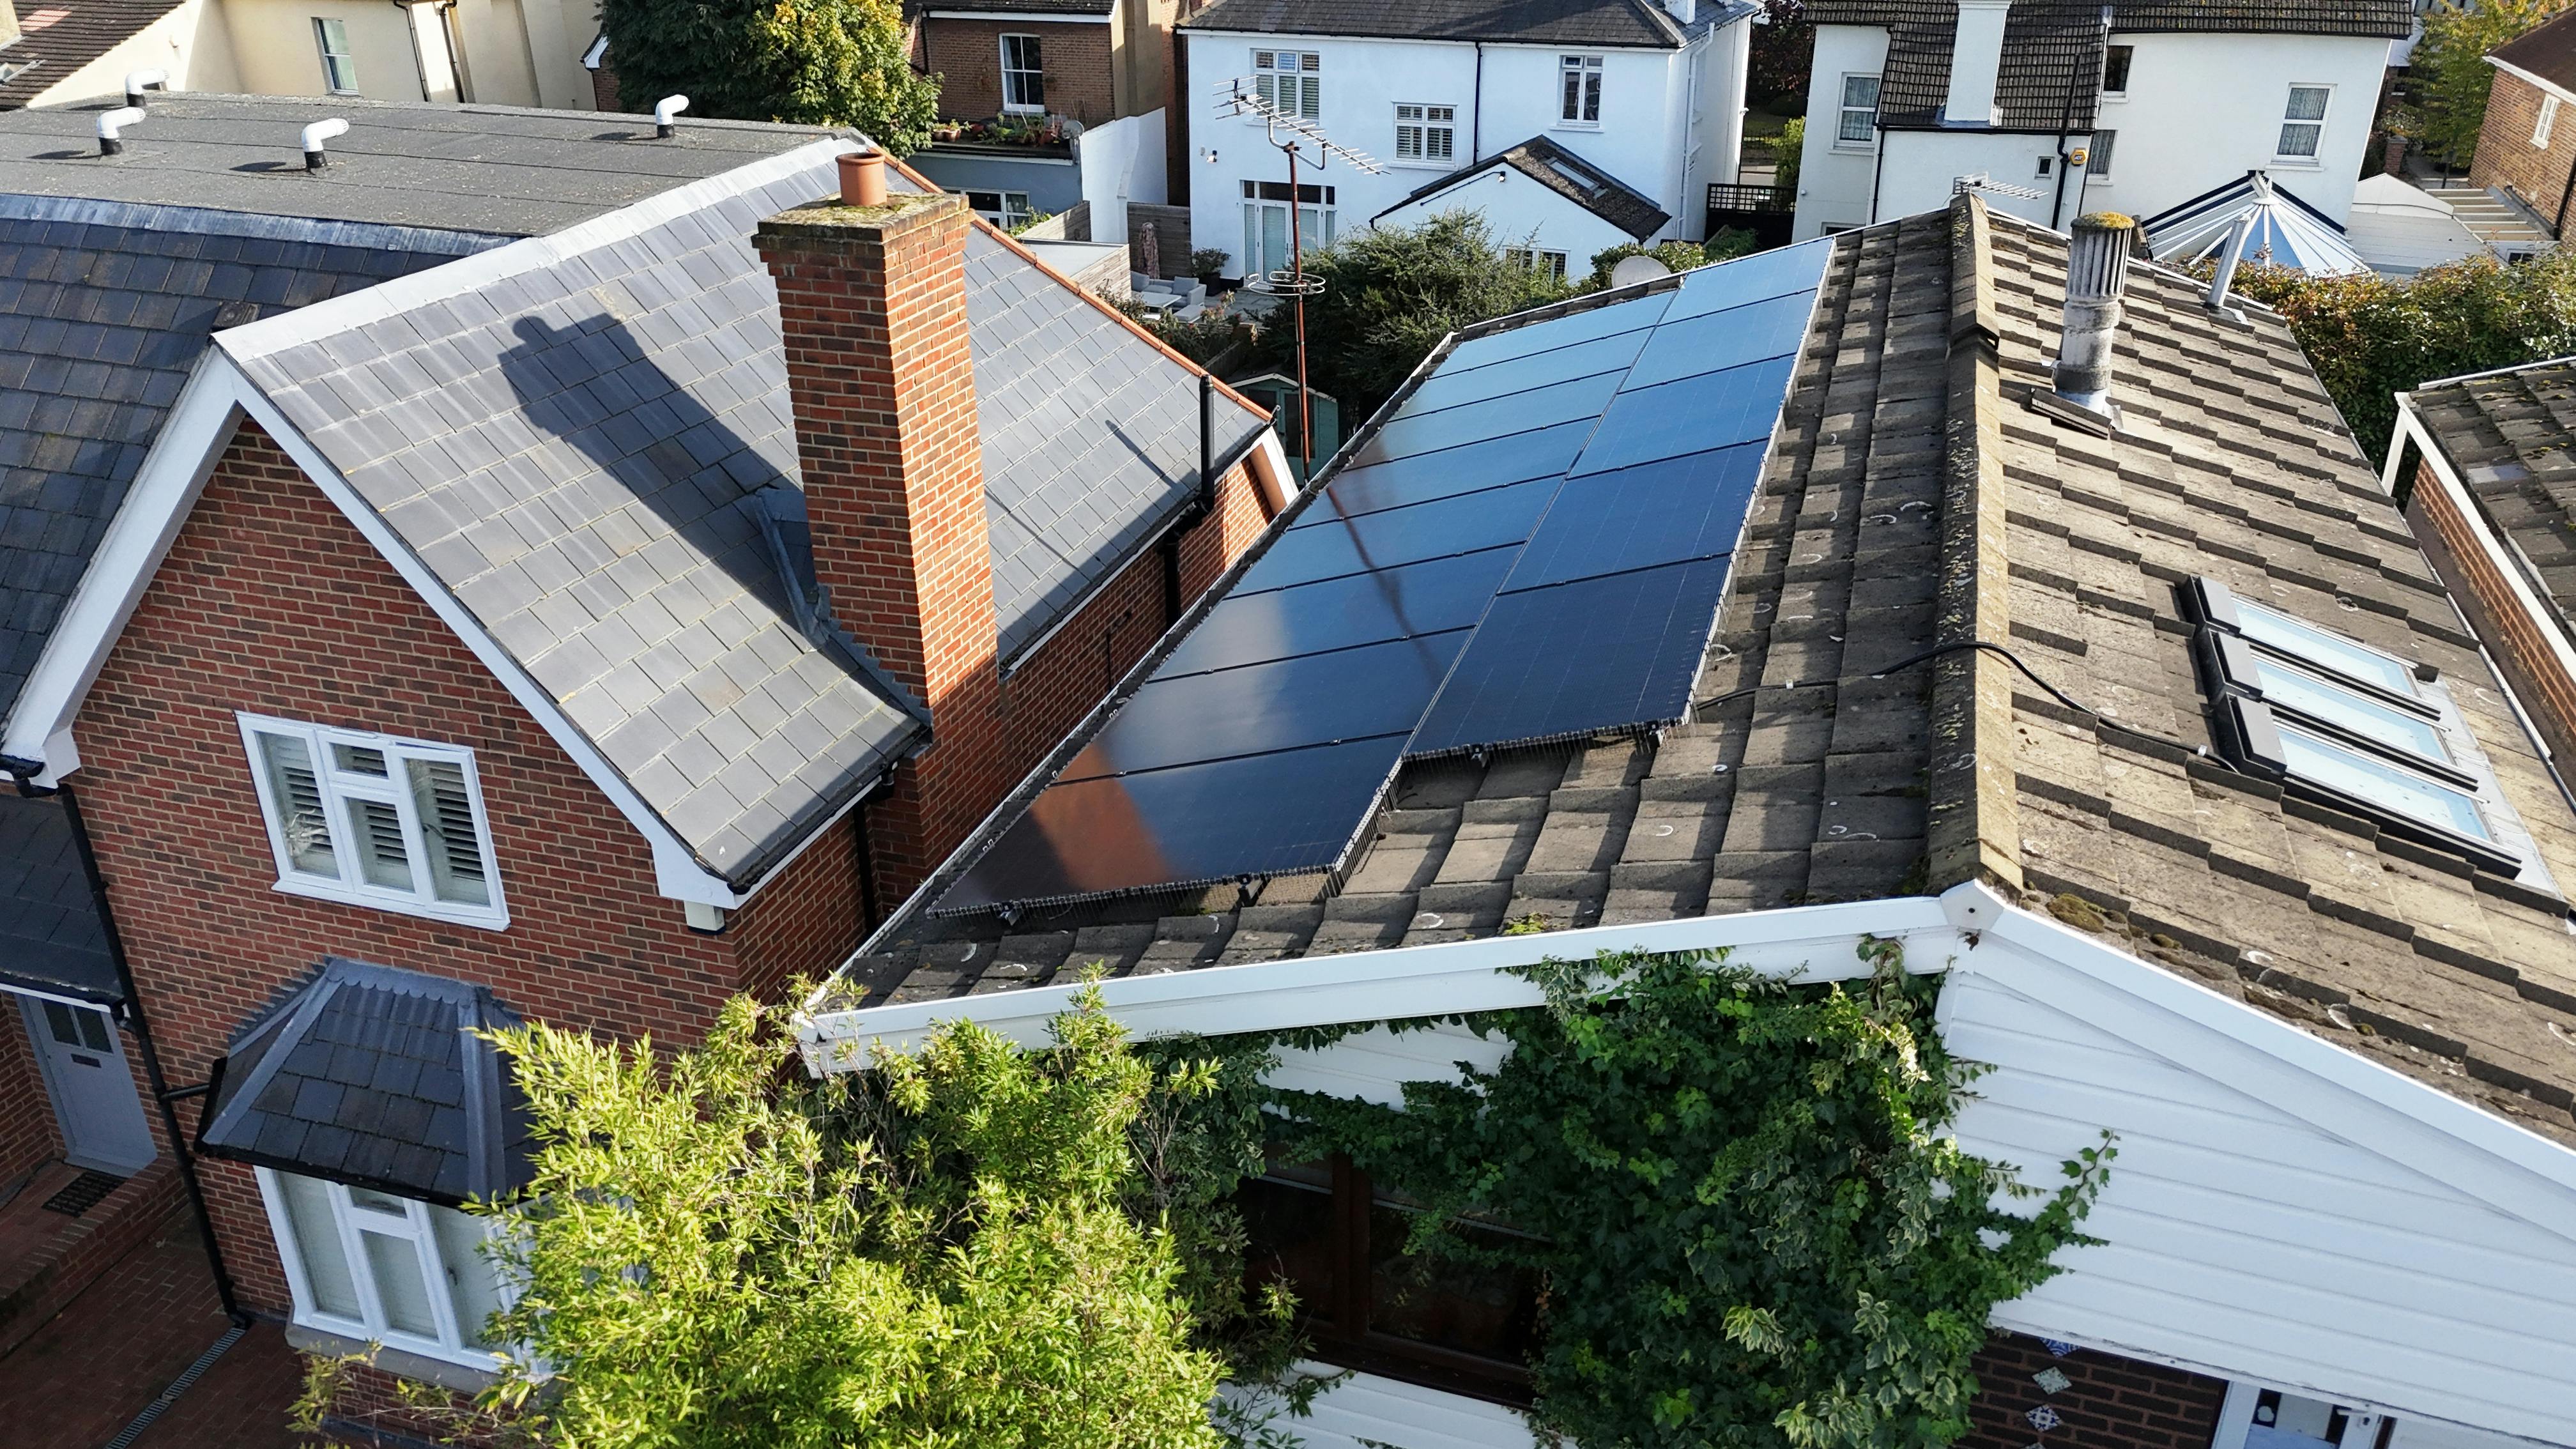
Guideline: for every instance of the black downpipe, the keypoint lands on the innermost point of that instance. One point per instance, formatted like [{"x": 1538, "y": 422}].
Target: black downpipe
[
  {"x": 1200, "y": 507},
  {"x": 1171, "y": 551},
  {"x": 161, "y": 1090},
  {"x": 1475, "y": 113}
]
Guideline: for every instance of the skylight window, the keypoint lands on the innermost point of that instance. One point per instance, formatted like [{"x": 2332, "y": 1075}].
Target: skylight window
[{"x": 2347, "y": 725}]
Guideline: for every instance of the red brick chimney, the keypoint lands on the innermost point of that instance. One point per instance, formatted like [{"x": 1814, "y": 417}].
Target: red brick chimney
[{"x": 873, "y": 301}]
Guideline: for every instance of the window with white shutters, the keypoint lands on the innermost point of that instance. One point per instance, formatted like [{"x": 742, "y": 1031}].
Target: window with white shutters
[
  {"x": 375, "y": 820},
  {"x": 1292, "y": 80},
  {"x": 370, "y": 1266},
  {"x": 1426, "y": 133}
]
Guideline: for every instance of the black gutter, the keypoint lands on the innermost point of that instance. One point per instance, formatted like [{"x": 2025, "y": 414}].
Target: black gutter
[{"x": 162, "y": 1092}]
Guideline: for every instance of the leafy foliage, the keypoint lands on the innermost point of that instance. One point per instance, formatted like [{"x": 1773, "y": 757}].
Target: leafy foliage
[
  {"x": 1784, "y": 51},
  {"x": 1791, "y": 151},
  {"x": 817, "y": 62},
  {"x": 719, "y": 1251},
  {"x": 1753, "y": 1230},
  {"x": 2370, "y": 338},
  {"x": 1726, "y": 244},
  {"x": 2449, "y": 73}
]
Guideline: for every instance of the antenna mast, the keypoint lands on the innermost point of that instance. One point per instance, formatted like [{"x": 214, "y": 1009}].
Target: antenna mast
[{"x": 1299, "y": 138}]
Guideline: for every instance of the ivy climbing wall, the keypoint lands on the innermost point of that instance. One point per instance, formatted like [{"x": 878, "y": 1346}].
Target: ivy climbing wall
[{"x": 2035, "y": 1394}]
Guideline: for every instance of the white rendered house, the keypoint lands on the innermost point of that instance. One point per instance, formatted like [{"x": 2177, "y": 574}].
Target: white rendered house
[
  {"x": 1573, "y": 125},
  {"x": 2074, "y": 107}
]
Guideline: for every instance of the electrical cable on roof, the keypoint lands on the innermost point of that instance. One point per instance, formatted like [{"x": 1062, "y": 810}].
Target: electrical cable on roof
[{"x": 2061, "y": 696}]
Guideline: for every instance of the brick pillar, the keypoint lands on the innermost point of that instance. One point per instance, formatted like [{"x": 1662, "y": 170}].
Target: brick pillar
[{"x": 873, "y": 301}]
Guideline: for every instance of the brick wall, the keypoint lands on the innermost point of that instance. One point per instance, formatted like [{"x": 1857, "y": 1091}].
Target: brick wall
[
  {"x": 966, "y": 55},
  {"x": 29, "y": 1137},
  {"x": 603, "y": 89},
  {"x": 2505, "y": 156},
  {"x": 271, "y": 602},
  {"x": 2108, "y": 1402},
  {"x": 2522, "y": 651}
]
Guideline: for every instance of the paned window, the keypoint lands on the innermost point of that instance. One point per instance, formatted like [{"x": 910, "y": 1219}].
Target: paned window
[
  {"x": 2303, "y": 124},
  {"x": 1538, "y": 259},
  {"x": 2115, "y": 69},
  {"x": 339, "y": 71},
  {"x": 1581, "y": 78},
  {"x": 368, "y": 1265},
  {"x": 1267, "y": 232},
  {"x": 375, "y": 820},
  {"x": 1008, "y": 210},
  {"x": 2548, "y": 122},
  {"x": 1338, "y": 1242},
  {"x": 1860, "y": 110},
  {"x": 1023, "y": 77},
  {"x": 2340, "y": 721},
  {"x": 1425, "y": 132},
  {"x": 1291, "y": 80},
  {"x": 2097, "y": 155}
]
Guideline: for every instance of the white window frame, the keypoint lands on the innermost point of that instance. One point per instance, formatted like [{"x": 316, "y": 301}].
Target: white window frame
[
  {"x": 1426, "y": 135},
  {"x": 2315, "y": 157},
  {"x": 1539, "y": 259},
  {"x": 338, "y": 788},
  {"x": 1842, "y": 117},
  {"x": 346, "y": 68},
  {"x": 1297, "y": 75},
  {"x": 2127, "y": 72},
  {"x": 1320, "y": 210},
  {"x": 1580, "y": 80},
  {"x": 1010, "y": 209},
  {"x": 371, "y": 1326},
  {"x": 1012, "y": 72},
  {"x": 2548, "y": 122}
]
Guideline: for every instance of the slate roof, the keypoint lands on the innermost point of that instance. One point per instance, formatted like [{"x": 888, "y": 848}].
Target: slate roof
[
  {"x": 591, "y": 451},
  {"x": 2052, "y": 57},
  {"x": 1569, "y": 176},
  {"x": 372, "y": 1076},
  {"x": 50, "y": 936},
  {"x": 2512, "y": 438},
  {"x": 1904, "y": 459},
  {"x": 58, "y": 37},
  {"x": 2547, "y": 51},
  {"x": 1612, "y": 24}
]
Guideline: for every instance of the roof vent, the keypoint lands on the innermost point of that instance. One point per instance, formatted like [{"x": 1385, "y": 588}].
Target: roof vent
[
  {"x": 110, "y": 126},
  {"x": 666, "y": 115},
  {"x": 137, "y": 82},
  {"x": 315, "y": 158},
  {"x": 2097, "y": 272}
]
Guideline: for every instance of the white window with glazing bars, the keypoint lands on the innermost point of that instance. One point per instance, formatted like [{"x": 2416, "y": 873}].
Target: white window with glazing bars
[{"x": 375, "y": 820}]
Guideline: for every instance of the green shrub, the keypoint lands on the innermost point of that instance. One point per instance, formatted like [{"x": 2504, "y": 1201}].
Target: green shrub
[
  {"x": 817, "y": 62},
  {"x": 2449, "y": 73}
]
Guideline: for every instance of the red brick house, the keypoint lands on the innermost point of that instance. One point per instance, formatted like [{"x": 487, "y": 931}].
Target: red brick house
[
  {"x": 2523, "y": 150},
  {"x": 610, "y": 621}
]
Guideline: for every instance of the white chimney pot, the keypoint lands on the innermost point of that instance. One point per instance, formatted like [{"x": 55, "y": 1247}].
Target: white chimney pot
[{"x": 1976, "y": 59}]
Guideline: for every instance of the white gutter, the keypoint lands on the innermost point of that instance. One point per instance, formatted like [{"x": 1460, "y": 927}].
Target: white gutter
[{"x": 1803, "y": 944}]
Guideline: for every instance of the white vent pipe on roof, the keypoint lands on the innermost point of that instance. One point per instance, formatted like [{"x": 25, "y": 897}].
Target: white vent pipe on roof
[
  {"x": 2097, "y": 272},
  {"x": 666, "y": 115},
  {"x": 1976, "y": 60},
  {"x": 315, "y": 158},
  {"x": 110, "y": 123},
  {"x": 136, "y": 82}
]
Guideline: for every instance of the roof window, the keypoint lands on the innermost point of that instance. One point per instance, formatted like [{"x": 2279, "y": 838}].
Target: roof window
[{"x": 2351, "y": 726}]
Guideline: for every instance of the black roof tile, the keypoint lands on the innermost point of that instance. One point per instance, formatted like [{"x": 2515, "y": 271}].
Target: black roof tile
[{"x": 51, "y": 938}]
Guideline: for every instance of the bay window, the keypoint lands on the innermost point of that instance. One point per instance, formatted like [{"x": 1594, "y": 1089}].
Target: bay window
[{"x": 370, "y": 1266}]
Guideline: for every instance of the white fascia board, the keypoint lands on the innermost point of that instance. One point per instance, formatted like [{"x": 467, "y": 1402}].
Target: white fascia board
[
  {"x": 2510, "y": 1168},
  {"x": 2506, "y": 560},
  {"x": 677, "y": 871},
  {"x": 2518, "y": 73},
  {"x": 156, "y": 506},
  {"x": 1801, "y": 944},
  {"x": 1269, "y": 463}
]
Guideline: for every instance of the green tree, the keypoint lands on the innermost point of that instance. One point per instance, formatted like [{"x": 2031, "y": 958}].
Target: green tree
[
  {"x": 2449, "y": 71},
  {"x": 814, "y": 62},
  {"x": 719, "y": 1251},
  {"x": 2370, "y": 338}
]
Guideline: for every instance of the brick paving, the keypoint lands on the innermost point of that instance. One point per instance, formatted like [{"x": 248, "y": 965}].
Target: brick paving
[{"x": 76, "y": 1382}]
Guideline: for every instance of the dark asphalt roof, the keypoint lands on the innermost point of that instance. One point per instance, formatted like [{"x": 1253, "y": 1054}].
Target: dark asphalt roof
[
  {"x": 1632, "y": 24},
  {"x": 2233, "y": 463},
  {"x": 1569, "y": 176},
  {"x": 372, "y": 1076},
  {"x": 50, "y": 936},
  {"x": 2547, "y": 51},
  {"x": 2511, "y": 436},
  {"x": 596, "y": 453},
  {"x": 58, "y": 37},
  {"x": 104, "y": 307},
  {"x": 488, "y": 169},
  {"x": 2052, "y": 58}
]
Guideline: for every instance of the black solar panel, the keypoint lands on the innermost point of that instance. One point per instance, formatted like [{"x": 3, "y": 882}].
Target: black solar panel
[{"x": 1532, "y": 546}]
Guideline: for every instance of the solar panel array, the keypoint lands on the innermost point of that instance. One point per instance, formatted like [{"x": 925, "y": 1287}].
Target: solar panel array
[{"x": 1533, "y": 546}]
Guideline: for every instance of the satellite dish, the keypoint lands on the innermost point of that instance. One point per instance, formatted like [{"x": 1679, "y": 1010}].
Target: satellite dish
[{"x": 1632, "y": 270}]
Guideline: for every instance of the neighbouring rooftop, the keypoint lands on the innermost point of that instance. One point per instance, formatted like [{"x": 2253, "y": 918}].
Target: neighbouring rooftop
[{"x": 2511, "y": 436}]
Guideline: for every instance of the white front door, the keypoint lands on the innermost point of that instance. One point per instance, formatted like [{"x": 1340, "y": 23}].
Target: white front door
[{"x": 94, "y": 1098}]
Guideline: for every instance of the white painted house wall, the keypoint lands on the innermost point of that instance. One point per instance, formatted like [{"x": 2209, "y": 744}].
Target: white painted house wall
[
  {"x": 2200, "y": 110},
  {"x": 1643, "y": 137}
]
